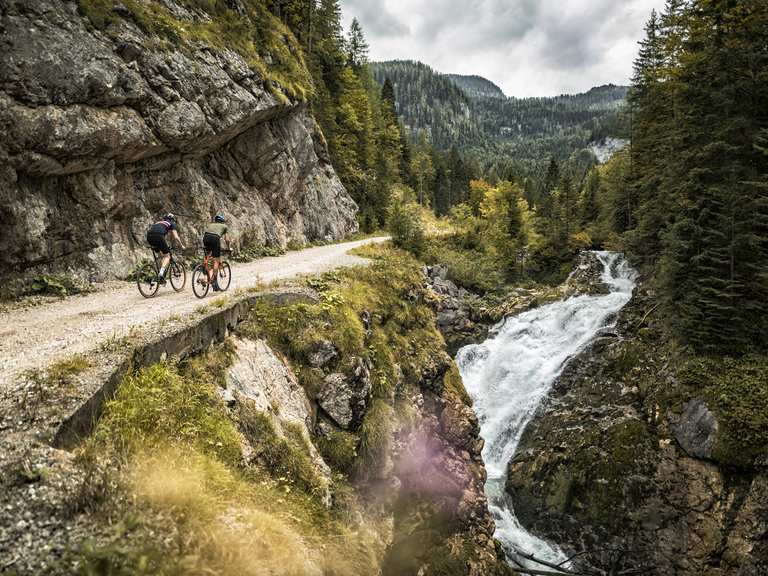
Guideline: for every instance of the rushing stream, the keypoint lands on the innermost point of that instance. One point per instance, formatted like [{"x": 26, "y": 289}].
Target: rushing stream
[{"x": 512, "y": 372}]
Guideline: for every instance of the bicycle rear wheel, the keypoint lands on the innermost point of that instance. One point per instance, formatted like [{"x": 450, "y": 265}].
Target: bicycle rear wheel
[
  {"x": 178, "y": 276},
  {"x": 146, "y": 280},
  {"x": 200, "y": 281},
  {"x": 225, "y": 276}
]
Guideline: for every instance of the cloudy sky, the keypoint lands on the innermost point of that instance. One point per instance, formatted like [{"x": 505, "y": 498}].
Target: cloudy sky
[{"x": 528, "y": 47}]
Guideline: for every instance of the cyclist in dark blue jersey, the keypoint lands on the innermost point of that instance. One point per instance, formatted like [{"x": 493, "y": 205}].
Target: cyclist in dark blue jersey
[{"x": 157, "y": 238}]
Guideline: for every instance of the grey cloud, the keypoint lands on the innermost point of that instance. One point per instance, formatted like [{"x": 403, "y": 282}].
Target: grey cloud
[
  {"x": 376, "y": 20},
  {"x": 551, "y": 46},
  {"x": 477, "y": 21}
]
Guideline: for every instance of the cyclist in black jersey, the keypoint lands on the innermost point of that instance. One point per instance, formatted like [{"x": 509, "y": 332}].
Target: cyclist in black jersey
[{"x": 156, "y": 237}]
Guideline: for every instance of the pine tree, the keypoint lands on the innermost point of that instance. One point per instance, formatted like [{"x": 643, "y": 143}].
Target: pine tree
[
  {"x": 357, "y": 46},
  {"x": 588, "y": 204}
]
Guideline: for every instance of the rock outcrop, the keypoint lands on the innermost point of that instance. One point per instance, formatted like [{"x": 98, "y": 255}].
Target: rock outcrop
[
  {"x": 457, "y": 309},
  {"x": 103, "y": 131}
]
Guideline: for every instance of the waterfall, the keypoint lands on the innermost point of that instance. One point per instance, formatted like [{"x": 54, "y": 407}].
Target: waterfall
[{"x": 510, "y": 374}]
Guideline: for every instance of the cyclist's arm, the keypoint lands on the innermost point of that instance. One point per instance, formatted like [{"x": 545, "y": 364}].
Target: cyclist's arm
[{"x": 176, "y": 238}]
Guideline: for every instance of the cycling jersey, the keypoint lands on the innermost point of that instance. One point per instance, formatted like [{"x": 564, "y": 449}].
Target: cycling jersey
[
  {"x": 162, "y": 227},
  {"x": 156, "y": 236},
  {"x": 216, "y": 229}
]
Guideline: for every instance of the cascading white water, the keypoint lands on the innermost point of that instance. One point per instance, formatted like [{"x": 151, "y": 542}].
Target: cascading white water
[{"x": 512, "y": 372}]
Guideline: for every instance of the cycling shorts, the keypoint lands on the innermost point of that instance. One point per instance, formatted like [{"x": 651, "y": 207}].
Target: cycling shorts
[
  {"x": 158, "y": 242},
  {"x": 212, "y": 244}
]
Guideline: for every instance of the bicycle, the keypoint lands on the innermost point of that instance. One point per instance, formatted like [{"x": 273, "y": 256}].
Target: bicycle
[
  {"x": 148, "y": 272},
  {"x": 200, "y": 284}
]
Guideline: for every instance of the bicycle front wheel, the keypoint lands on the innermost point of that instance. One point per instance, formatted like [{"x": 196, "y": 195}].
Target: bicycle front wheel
[
  {"x": 225, "y": 276},
  {"x": 146, "y": 280},
  {"x": 200, "y": 281},
  {"x": 178, "y": 276}
]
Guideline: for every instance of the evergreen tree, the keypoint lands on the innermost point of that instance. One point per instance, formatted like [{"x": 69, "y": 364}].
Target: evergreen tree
[
  {"x": 588, "y": 204},
  {"x": 357, "y": 46}
]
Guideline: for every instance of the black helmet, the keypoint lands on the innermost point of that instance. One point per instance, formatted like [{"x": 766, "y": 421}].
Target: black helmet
[
  {"x": 219, "y": 218},
  {"x": 170, "y": 217}
]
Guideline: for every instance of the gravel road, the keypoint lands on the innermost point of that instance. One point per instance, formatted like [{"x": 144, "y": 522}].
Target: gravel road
[{"x": 36, "y": 336}]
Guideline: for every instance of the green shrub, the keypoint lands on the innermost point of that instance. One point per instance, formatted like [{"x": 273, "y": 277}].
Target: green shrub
[
  {"x": 54, "y": 285},
  {"x": 406, "y": 226},
  {"x": 255, "y": 251},
  {"x": 470, "y": 268}
]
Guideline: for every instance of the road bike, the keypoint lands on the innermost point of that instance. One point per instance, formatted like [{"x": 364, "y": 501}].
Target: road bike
[
  {"x": 148, "y": 273},
  {"x": 200, "y": 284}
]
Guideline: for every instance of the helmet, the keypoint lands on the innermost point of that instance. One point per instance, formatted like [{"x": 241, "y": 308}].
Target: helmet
[
  {"x": 219, "y": 218},
  {"x": 170, "y": 217}
]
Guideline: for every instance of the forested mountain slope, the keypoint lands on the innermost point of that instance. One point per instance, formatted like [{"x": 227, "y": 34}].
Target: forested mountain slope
[
  {"x": 477, "y": 119},
  {"x": 476, "y": 86}
]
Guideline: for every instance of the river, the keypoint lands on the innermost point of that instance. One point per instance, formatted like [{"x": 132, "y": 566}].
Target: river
[{"x": 511, "y": 373}]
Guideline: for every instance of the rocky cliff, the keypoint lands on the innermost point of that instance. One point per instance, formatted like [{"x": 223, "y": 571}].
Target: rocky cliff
[
  {"x": 108, "y": 121},
  {"x": 641, "y": 462}
]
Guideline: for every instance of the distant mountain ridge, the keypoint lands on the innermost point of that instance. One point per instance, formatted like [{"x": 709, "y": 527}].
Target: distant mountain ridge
[
  {"x": 472, "y": 114},
  {"x": 476, "y": 86}
]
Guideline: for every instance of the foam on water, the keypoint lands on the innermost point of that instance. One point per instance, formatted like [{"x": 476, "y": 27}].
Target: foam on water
[{"x": 512, "y": 372}]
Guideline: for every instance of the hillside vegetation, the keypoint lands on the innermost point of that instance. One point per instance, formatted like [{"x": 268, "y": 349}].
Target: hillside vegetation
[{"x": 473, "y": 115}]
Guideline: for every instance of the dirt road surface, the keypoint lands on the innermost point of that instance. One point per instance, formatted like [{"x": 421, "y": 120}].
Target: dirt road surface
[{"x": 34, "y": 337}]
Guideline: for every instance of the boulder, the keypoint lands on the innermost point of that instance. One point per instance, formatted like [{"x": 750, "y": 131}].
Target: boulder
[
  {"x": 695, "y": 429},
  {"x": 323, "y": 352},
  {"x": 345, "y": 397}
]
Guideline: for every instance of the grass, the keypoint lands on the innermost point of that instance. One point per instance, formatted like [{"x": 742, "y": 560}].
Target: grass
[
  {"x": 219, "y": 302},
  {"x": 182, "y": 499},
  {"x": 43, "y": 384},
  {"x": 339, "y": 449},
  {"x": 149, "y": 406},
  {"x": 375, "y": 437},
  {"x": 285, "y": 456}
]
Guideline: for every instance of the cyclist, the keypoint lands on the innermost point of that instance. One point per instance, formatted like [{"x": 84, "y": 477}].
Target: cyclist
[
  {"x": 156, "y": 237},
  {"x": 212, "y": 237}
]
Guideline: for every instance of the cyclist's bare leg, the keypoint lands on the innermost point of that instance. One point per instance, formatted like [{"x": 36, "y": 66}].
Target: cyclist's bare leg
[
  {"x": 213, "y": 272},
  {"x": 208, "y": 271},
  {"x": 164, "y": 263}
]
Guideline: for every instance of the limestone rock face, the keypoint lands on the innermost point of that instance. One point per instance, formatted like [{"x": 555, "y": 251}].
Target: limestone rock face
[
  {"x": 102, "y": 133},
  {"x": 261, "y": 379},
  {"x": 258, "y": 375}
]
